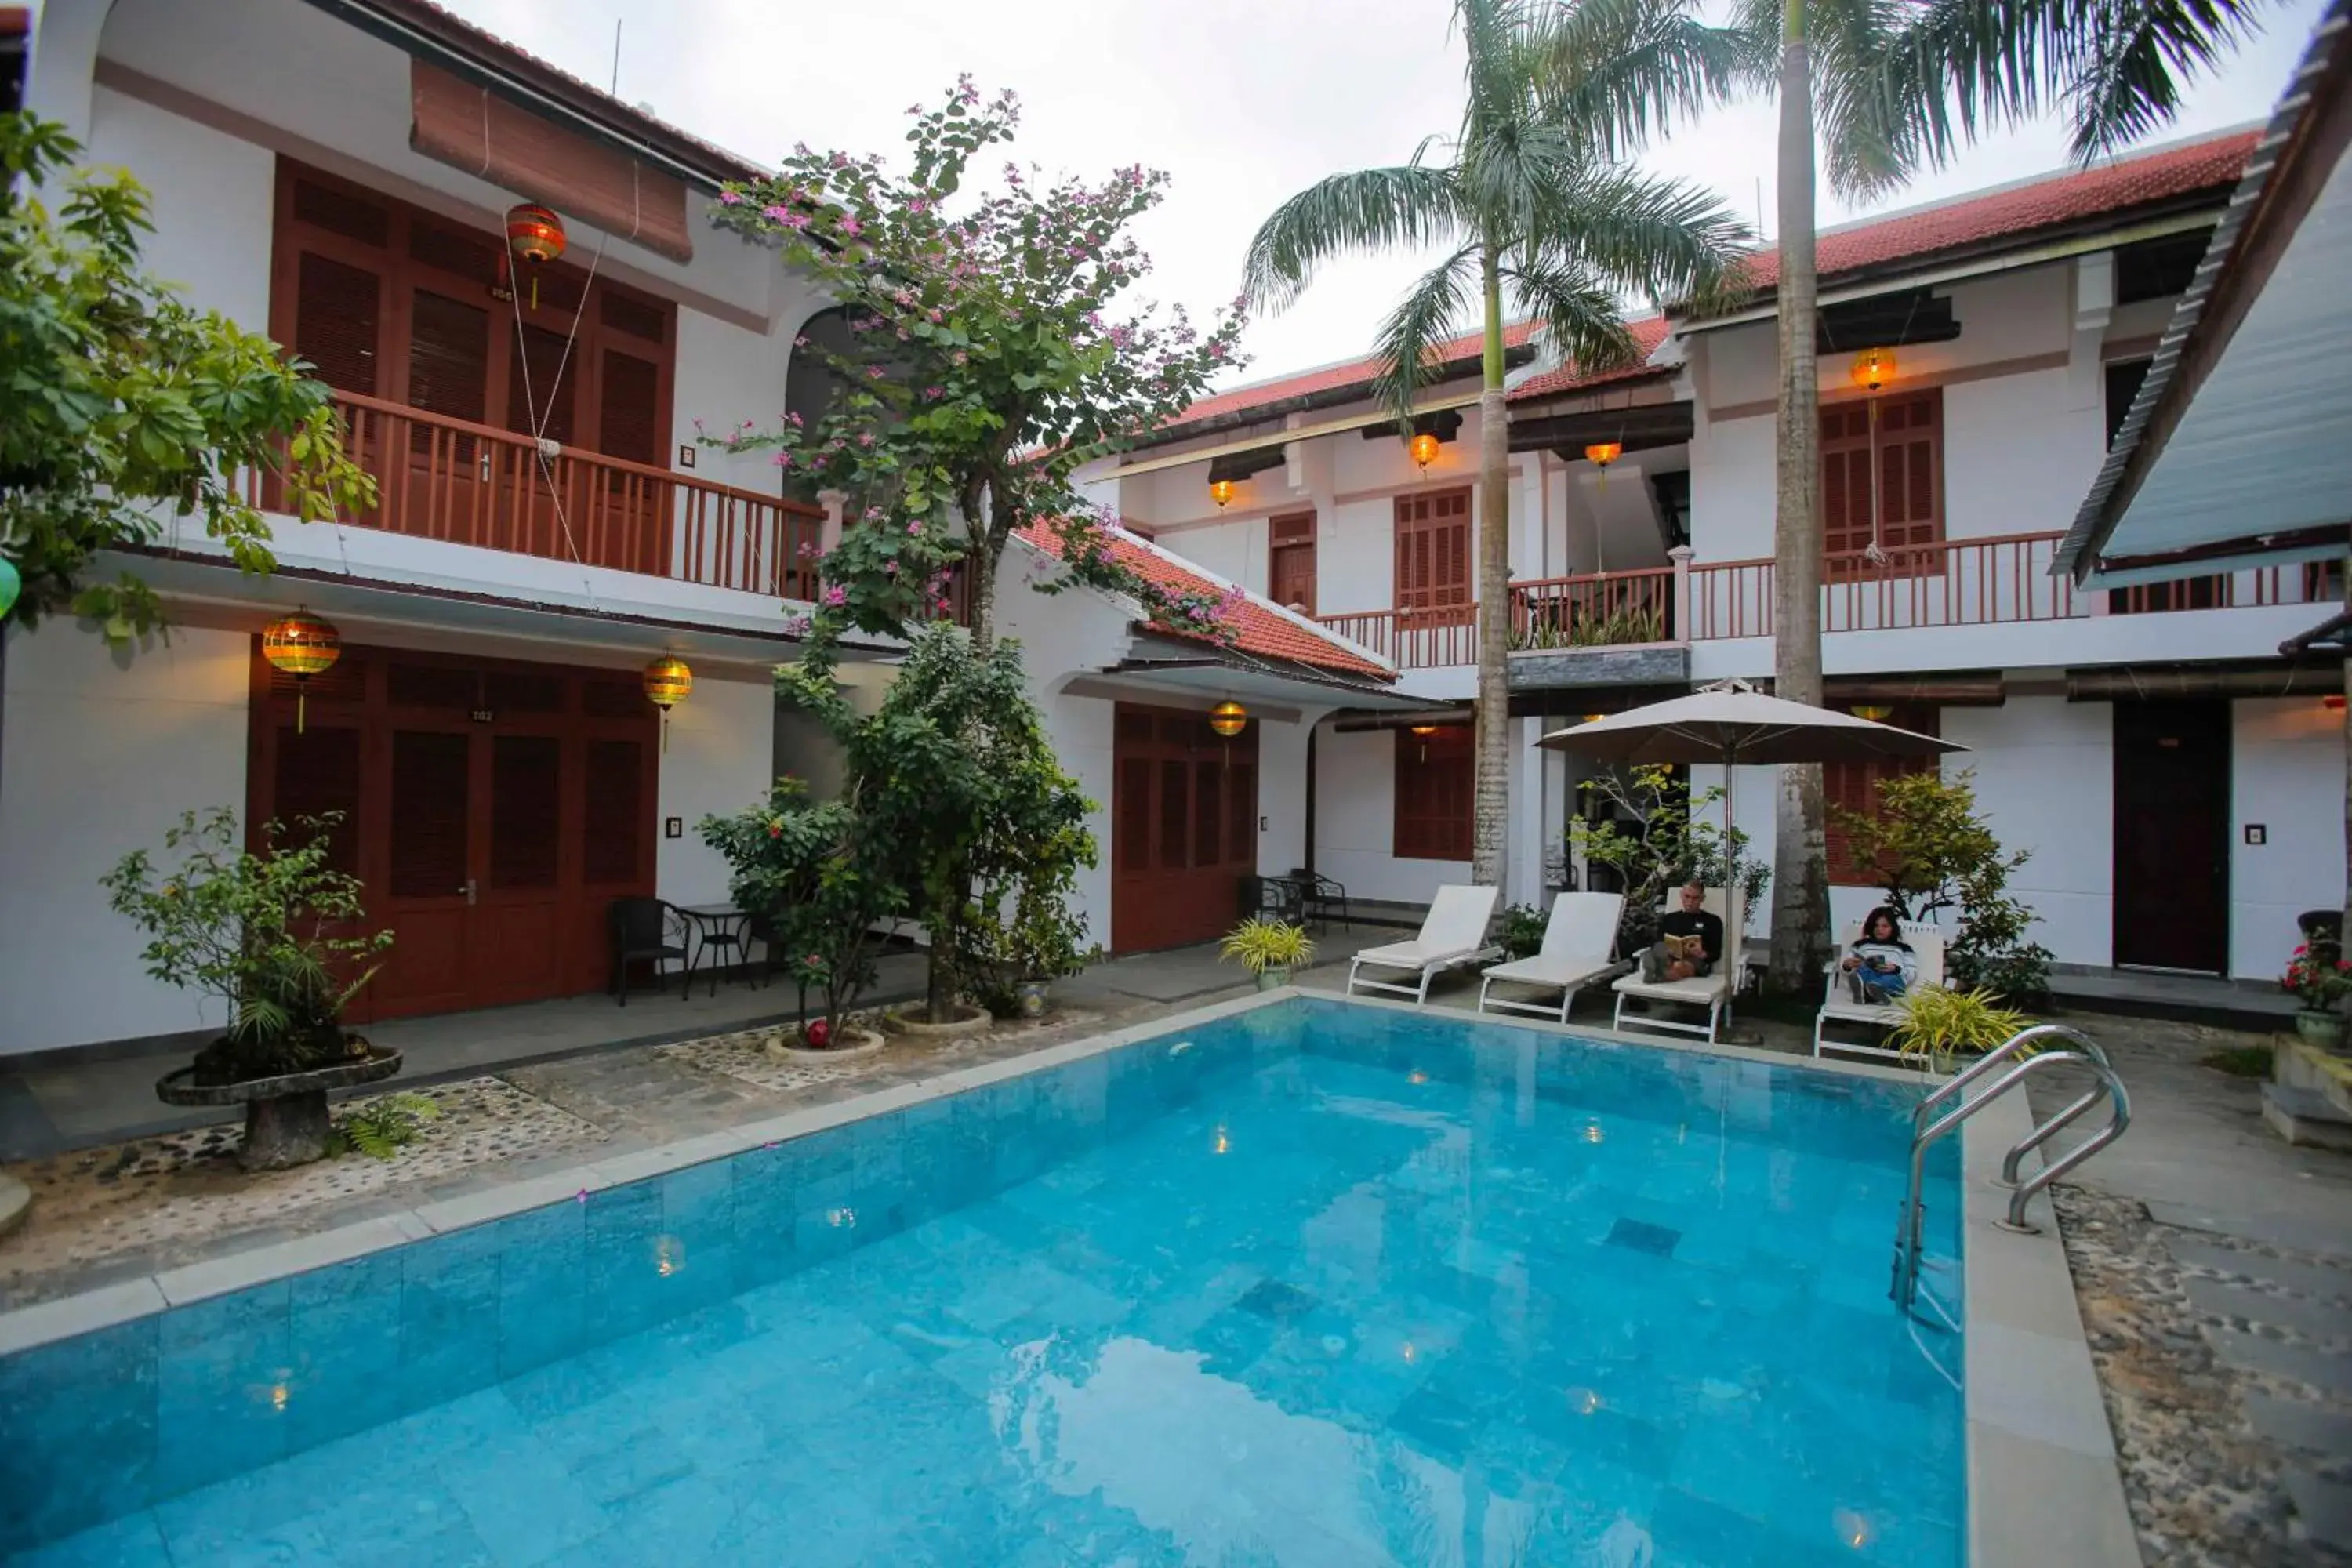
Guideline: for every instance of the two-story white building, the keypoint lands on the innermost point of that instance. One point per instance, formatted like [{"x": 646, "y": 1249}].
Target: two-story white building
[
  {"x": 341, "y": 175},
  {"x": 2176, "y": 780}
]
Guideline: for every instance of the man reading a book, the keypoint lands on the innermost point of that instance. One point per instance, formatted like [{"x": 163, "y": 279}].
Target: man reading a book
[{"x": 1689, "y": 940}]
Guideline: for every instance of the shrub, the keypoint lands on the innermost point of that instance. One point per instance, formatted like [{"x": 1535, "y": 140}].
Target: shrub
[
  {"x": 1932, "y": 851},
  {"x": 2319, "y": 980},
  {"x": 381, "y": 1128},
  {"x": 1520, "y": 931},
  {"x": 1670, "y": 842},
  {"x": 258, "y": 930}
]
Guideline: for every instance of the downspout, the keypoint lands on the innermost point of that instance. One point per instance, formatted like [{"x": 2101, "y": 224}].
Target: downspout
[{"x": 1312, "y": 731}]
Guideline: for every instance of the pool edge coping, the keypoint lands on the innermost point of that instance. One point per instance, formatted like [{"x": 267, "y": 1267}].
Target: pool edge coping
[{"x": 2036, "y": 1426}]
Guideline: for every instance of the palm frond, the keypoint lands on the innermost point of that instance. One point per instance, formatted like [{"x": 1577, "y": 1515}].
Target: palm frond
[
  {"x": 1672, "y": 240},
  {"x": 1579, "y": 321},
  {"x": 1617, "y": 71},
  {"x": 2125, "y": 77},
  {"x": 1403, "y": 207},
  {"x": 1431, "y": 312}
]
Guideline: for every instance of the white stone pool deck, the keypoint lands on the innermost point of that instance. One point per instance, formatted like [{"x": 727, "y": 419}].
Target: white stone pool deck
[{"x": 2043, "y": 1483}]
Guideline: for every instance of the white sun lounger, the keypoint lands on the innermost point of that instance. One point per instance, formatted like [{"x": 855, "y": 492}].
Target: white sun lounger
[
  {"x": 1712, "y": 992},
  {"x": 1578, "y": 943},
  {"x": 1453, "y": 933},
  {"x": 1838, "y": 1006}
]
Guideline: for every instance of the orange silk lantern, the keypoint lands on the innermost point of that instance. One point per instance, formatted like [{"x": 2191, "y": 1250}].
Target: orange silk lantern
[
  {"x": 1601, "y": 454},
  {"x": 1220, "y": 491},
  {"x": 1228, "y": 718},
  {"x": 1424, "y": 449},
  {"x": 668, "y": 680},
  {"x": 301, "y": 645},
  {"x": 534, "y": 237},
  {"x": 1873, "y": 368}
]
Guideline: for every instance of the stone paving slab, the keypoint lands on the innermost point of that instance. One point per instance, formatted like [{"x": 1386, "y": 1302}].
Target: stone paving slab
[
  {"x": 2294, "y": 1424},
  {"x": 2321, "y": 1280},
  {"x": 2238, "y": 1305},
  {"x": 2328, "y": 1372}
]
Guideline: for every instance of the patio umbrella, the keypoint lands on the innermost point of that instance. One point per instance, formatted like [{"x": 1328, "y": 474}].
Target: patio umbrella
[{"x": 1731, "y": 722}]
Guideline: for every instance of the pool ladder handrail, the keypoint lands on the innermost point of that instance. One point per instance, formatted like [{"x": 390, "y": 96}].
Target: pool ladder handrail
[{"x": 1908, "y": 1241}]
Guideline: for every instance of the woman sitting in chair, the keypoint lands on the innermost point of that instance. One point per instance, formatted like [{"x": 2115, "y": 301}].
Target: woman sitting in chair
[{"x": 1880, "y": 966}]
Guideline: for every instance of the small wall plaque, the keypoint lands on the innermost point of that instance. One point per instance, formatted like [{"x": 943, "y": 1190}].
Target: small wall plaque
[
  {"x": 673, "y": 828},
  {"x": 2258, "y": 833}
]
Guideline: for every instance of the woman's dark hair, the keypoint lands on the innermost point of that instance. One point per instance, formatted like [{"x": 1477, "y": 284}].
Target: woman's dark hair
[{"x": 1870, "y": 926}]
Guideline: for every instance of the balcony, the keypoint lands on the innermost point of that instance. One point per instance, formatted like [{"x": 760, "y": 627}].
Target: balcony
[
  {"x": 2001, "y": 581},
  {"x": 443, "y": 479}
]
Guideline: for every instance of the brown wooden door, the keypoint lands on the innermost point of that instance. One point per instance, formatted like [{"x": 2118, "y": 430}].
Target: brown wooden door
[
  {"x": 1903, "y": 450},
  {"x": 2172, "y": 835},
  {"x": 493, "y": 811},
  {"x": 1183, "y": 827},
  {"x": 1290, "y": 561}
]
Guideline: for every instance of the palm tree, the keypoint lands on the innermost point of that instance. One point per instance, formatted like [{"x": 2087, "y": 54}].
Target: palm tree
[
  {"x": 1538, "y": 220},
  {"x": 1898, "y": 88}
]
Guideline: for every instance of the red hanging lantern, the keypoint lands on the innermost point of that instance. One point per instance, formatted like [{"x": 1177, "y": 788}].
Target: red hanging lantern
[{"x": 534, "y": 237}]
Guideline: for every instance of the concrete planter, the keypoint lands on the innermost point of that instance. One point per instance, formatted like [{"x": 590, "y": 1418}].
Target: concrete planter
[
  {"x": 286, "y": 1116},
  {"x": 2323, "y": 1028},
  {"x": 968, "y": 1020},
  {"x": 1272, "y": 979},
  {"x": 856, "y": 1043}
]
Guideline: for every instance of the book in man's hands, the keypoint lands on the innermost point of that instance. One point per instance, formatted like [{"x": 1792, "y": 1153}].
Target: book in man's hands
[{"x": 1689, "y": 949}]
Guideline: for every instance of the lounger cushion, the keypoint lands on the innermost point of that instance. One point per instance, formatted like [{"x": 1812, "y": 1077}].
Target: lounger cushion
[
  {"x": 1698, "y": 990},
  {"x": 1542, "y": 971}
]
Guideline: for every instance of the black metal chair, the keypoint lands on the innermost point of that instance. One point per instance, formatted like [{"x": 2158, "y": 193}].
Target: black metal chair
[
  {"x": 647, "y": 930},
  {"x": 1320, "y": 894}
]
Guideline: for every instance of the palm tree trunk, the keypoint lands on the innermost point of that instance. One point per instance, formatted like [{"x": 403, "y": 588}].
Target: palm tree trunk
[
  {"x": 1801, "y": 850},
  {"x": 1491, "y": 794}
]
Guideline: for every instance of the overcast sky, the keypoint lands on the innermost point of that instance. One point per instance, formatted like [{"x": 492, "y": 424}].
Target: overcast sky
[{"x": 1241, "y": 101}]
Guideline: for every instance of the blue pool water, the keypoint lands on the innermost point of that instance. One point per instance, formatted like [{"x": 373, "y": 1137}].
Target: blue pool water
[{"x": 1328, "y": 1284}]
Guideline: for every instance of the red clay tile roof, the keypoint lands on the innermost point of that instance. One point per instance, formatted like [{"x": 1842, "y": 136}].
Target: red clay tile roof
[
  {"x": 2212, "y": 163},
  {"x": 1261, "y": 628},
  {"x": 1331, "y": 377},
  {"x": 1648, "y": 334}
]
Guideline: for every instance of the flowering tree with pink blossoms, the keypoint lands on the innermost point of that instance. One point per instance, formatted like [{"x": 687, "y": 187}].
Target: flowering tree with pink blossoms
[{"x": 994, "y": 356}]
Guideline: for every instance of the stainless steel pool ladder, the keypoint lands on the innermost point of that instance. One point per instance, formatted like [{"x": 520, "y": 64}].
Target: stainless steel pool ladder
[{"x": 1908, "y": 1238}]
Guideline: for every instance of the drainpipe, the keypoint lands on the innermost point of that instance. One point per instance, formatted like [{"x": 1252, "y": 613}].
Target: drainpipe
[{"x": 1312, "y": 730}]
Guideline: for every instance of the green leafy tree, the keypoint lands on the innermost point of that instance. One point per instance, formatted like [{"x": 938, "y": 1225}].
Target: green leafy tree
[
  {"x": 955, "y": 789},
  {"x": 1932, "y": 851},
  {"x": 995, "y": 364},
  {"x": 1537, "y": 218},
  {"x": 1888, "y": 89},
  {"x": 816, "y": 882},
  {"x": 1657, "y": 836},
  {"x": 121, "y": 405},
  {"x": 274, "y": 933}
]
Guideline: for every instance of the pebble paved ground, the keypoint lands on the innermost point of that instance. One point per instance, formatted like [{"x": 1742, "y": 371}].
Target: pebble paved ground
[{"x": 2213, "y": 1266}]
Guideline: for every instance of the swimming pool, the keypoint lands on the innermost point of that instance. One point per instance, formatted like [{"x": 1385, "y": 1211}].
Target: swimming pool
[{"x": 1313, "y": 1283}]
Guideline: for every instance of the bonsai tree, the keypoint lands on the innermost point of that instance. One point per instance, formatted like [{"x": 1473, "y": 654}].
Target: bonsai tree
[
  {"x": 278, "y": 935},
  {"x": 804, "y": 873},
  {"x": 1933, "y": 850},
  {"x": 1656, "y": 838}
]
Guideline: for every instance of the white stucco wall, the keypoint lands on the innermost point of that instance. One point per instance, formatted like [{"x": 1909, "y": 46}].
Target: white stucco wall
[
  {"x": 1355, "y": 832},
  {"x": 99, "y": 753},
  {"x": 721, "y": 747},
  {"x": 2288, "y": 775},
  {"x": 2045, "y": 780}
]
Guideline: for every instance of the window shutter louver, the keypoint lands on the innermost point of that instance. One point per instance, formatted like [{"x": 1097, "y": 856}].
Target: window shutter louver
[
  {"x": 534, "y": 387},
  {"x": 526, "y": 793},
  {"x": 448, "y": 357},
  {"x": 475, "y": 129},
  {"x": 338, "y": 309},
  {"x": 628, "y": 413},
  {"x": 614, "y": 824},
  {"x": 430, "y": 842}
]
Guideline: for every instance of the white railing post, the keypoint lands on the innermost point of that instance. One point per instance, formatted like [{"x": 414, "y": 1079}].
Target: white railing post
[
  {"x": 1681, "y": 556},
  {"x": 828, "y": 534}
]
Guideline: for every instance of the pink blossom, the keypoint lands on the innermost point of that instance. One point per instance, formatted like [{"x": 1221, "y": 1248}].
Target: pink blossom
[
  {"x": 731, "y": 199},
  {"x": 836, "y": 595},
  {"x": 783, "y": 459},
  {"x": 807, "y": 551},
  {"x": 935, "y": 392},
  {"x": 915, "y": 527},
  {"x": 851, "y": 226},
  {"x": 777, "y": 211},
  {"x": 890, "y": 567},
  {"x": 872, "y": 373}
]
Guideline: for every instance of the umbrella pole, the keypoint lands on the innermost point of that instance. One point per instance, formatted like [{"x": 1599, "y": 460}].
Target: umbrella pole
[{"x": 1735, "y": 936}]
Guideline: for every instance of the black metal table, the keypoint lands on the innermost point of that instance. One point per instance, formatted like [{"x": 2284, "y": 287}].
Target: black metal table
[{"x": 714, "y": 928}]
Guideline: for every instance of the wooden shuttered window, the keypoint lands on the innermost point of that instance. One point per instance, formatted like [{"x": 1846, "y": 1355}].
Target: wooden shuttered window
[
  {"x": 1906, "y": 453},
  {"x": 1434, "y": 811},
  {"x": 473, "y": 129},
  {"x": 1290, "y": 561},
  {"x": 391, "y": 302},
  {"x": 1854, "y": 785},
  {"x": 1432, "y": 551}
]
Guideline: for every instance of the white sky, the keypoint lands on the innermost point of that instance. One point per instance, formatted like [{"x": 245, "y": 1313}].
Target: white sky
[{"x": 1243, "y": 101}]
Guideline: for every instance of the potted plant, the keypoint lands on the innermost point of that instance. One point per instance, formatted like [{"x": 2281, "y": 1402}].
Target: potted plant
[
  {"x": 1268, "y": 949},
  {"x": 1041, "y": 945},
  {"x": 277, "y": 934},
  {"x": 1940, "y": 1024},
  {"x": 2320, "y": 981}
]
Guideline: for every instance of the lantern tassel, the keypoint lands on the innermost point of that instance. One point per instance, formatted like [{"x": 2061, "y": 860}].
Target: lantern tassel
[{"x": 301, "y": 708}]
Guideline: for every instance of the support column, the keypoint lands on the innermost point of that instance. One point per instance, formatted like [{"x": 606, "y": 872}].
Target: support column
[{"x": 828, "y": 537}]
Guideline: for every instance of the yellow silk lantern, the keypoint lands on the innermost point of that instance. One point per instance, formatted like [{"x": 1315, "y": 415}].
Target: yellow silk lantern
[
  {"x": 668, "y": 680},
  {"x": 1228, "y": 718},
  {"x": 301, "y": 645}
]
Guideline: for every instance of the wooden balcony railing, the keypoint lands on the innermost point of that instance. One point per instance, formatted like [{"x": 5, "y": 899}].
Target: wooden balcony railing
[
  {"x": 1957, "y": 583},
  {"x": 1598, "y": 609},
  {"x": 1413, "y": 639},
  {"x": 438, "y": 478},
  {"x": 2001, "y": 581}
]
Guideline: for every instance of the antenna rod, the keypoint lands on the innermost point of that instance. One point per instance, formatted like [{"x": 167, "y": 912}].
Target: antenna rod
[{"x": 616, "y": 64}]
